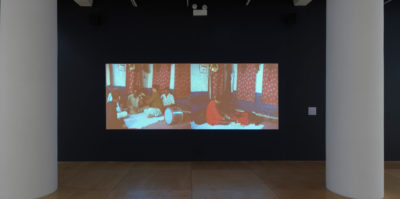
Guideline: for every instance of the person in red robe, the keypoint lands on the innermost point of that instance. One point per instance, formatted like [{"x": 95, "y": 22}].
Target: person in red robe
[
  {"x": 213, "y": 116},
  {"x": 219, "y": 113}
]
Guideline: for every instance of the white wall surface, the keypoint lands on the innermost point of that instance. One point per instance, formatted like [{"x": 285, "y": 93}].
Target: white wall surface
[
  {"x": 108, "y": 76},
  {"x": 28, "y": 98},
  {"x": 148, "y": 78},
  {"x": 198, "y": 81},
  {"x": 119, "y": 74},
  {"x": 234, "y": 79},
  {"x": 259, "y": 78},
  {"x": 354, "y": 98},
  {"x": 172, "y": 80}
]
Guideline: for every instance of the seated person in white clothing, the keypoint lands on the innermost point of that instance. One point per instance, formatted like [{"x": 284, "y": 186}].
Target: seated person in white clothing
[
  {"x": 133, "y": 102},
  {"x": 168, "y": 99}
]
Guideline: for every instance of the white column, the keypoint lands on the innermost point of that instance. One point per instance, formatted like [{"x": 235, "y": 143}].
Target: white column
[
  {"x": 28, "y": 98},
  {"x": 354, "y": 98}
]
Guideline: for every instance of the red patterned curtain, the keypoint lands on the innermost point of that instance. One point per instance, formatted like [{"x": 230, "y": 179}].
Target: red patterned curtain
[
  {"x": 134, "y": 79},
  {"x": 246, "y": 82},
  {"x": 182, "y": 80},
  {"x": 270, "y": 85},
  {"x": 162, "y": 75},
  {"x": 217, "y": 73}
]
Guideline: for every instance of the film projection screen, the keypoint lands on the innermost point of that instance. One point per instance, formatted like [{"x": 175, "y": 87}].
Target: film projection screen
[{"x": 242, "y": 96}]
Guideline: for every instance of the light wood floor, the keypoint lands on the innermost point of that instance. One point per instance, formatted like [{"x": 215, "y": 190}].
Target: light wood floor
[{"x": 202, "y": 180}]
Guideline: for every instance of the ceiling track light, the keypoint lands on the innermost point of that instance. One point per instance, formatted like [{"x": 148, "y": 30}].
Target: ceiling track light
[{"x": 199, "y": 12}]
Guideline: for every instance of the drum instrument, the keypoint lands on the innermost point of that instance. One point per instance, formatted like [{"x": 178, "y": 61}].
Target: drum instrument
[{"x": 174, "y": 115}]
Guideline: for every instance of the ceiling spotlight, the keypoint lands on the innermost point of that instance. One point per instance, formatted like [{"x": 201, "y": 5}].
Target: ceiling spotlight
[
  {"x": 84, "y": 3},
  {"x": 387, "y": 1},
  {"x": 134, "y": 3},
  {"x": 301, "y": 2},
  {"x": 248, "y": 2}
]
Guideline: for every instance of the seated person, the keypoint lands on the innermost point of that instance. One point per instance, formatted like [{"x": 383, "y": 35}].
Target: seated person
[
  {"x": 133, "y": 102},
  {"x": 116, "y": 98},
  {"x": 168, "y": 99},
  {"x": 141, "y": 92},
  {"x": 154, "y": 103},
  {"x": 113, "y": 108},
  {"x": 213, "y": 114},
  {"x": 227, "y": 108}
]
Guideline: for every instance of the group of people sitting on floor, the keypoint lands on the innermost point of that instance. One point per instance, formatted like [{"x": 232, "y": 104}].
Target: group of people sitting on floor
[
  {"x": 220, "y": 110},
  {"x": 152, "y": 105}
]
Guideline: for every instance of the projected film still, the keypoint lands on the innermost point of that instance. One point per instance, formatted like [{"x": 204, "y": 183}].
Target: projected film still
[{"x": 198, "y": 96}]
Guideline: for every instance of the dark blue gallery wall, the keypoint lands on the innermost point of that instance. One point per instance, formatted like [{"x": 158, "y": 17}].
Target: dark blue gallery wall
[
  {"x": 165, "y": 31},
  {"x": 392, "y": 81}
]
